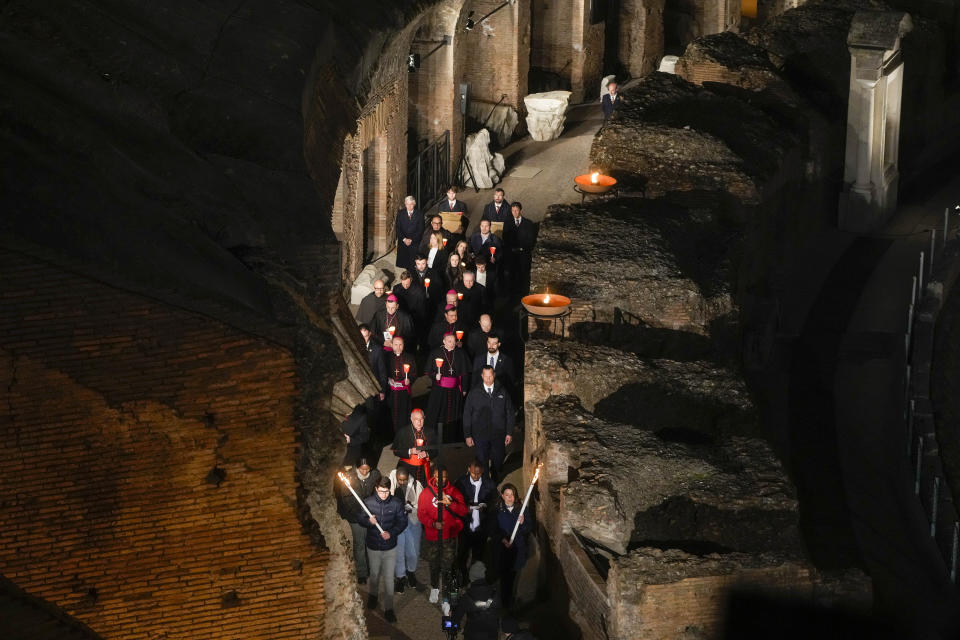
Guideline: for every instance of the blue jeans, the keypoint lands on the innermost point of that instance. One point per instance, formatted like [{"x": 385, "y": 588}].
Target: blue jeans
[{"x": 408, "y": 549}]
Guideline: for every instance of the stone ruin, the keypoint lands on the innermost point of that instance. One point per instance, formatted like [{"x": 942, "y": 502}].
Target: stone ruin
[{"x": 662, "y": 488}]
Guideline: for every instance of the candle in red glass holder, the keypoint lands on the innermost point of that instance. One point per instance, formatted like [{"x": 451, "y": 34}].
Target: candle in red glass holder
[
  {"x": 493, "y": 250},
  {"x": 439, "y": 362},
  {"x": 406, "y": 367},
  {"x": 459, "y": 334},
  {"x": 419, "y": 442},
  {"x": 426, "y": 282},
  {"x": 444, "y": 242},
  {"x": 459, "y": 295},
  {"x": 392, "y": 330}
]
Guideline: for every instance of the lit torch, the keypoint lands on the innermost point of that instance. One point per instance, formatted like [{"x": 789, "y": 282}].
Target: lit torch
[
  {"x": 525, "y": 501},
  {"x": 347, "y": 482}
]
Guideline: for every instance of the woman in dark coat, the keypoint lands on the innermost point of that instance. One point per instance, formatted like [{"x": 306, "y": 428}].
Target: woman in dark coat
[
  {"x": 510, "y": 556},
  {"x": 453, "y": 272}
]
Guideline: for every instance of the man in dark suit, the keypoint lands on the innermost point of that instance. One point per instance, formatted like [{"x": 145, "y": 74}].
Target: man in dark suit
[
  {"x": 611, "y": 100},
  {"x": 488, "y": 421},
  {"x": 452, "y": 204},
  {"x": 409, "y": 231},
  {"x": 473, "y": 301},
  {"x": 501, "y": 363},
  {"x": 487, "y": 243},
  {"x": 499, "y": 209},
  {"x": 519, "y": 234},
  {"x": 477, "y": 338}
]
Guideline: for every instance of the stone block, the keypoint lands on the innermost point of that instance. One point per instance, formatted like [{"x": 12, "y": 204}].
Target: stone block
[
  {"x": 633, "y": 261},
  {"x": 625, "y": 486},
  {"x": 546, "y": 114}
]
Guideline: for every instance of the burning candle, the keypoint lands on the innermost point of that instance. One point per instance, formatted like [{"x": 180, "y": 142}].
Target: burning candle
[
  {"x": 439, "y": 363},
  {"x": 419, "y": 442},
  {"x": 444, "y": 242},
  {"x": 392, "y": 330},
  {"x": 546, "y": 299},
  {"x": 459, "y": 335},
  {"x": 525, "y": 500},
  {"x": 493, "y": 251},
  {"x": 426, "y": 282},
  {"x": 406, "y": 371},
  {"x": 595, "y": 177},
  {"x": 459, "y": 295}
]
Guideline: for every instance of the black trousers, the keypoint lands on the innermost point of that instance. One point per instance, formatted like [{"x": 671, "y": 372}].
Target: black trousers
[
  {"x": 492, "y": 453},
  {"x": 472, "y": 544}
]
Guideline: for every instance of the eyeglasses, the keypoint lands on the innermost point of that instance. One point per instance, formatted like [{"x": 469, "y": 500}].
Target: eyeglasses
[{"x": 378, "y": 288}]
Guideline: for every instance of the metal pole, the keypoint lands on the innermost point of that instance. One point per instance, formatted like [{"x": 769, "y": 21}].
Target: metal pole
[
  {"x": 920, "y": 277},
  {"x": 913, "y": 292},
  {"x": 953, "y": 552},
  {"x": 933, "y": 239},
  {"x": 946, "y": 224},
  {"x": 916, "y": 481},
  {"x": 910, "y": 416},
  {"x": 935, "y": 503}
]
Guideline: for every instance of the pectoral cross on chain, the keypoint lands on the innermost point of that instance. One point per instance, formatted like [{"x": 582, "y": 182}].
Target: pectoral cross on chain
[{"x": 396, "y": 373}]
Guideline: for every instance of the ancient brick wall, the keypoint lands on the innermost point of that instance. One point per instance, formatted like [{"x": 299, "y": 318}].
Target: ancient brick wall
[
  {"x": 147, "y": 461},
  {"x": 492, "y": 52},
  {"x": 690, "y": 605}
]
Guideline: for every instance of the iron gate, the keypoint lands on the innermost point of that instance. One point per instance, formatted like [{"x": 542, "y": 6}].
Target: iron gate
[{"x": 428, "y": 174}]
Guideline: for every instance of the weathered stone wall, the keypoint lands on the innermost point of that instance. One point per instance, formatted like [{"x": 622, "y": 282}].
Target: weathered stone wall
[
  {"x": 565, "y": 42},
  {"x": 670, "y": 266},
  {"x": 149, "y": 462},
  {"x": 641, "y": 35}
]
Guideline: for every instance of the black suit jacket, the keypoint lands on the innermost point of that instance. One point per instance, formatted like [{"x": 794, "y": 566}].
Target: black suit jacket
[
  {"x": 609, "y": 106},
  {"x": 488, "y": 496},
  {"x": 458, "y": 207},
  {"x": 503, "y": 369},
  {"x": 490, "y": 212},
  {"x": 519, "y": 239}
]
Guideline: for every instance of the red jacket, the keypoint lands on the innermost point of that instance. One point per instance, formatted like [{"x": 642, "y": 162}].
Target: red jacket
[{"x": 428, "y": 513}]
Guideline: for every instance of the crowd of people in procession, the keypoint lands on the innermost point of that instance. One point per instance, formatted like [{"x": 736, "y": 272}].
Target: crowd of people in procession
[{"x": 437, "y": 321}]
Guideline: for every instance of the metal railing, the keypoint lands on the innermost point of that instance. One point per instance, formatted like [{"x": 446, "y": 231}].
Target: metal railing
[
  {"x": 428, "y": 174},
  {"x": 922, "y": 449}
]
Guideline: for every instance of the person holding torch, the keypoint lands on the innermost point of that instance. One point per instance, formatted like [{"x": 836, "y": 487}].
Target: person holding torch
[
  {"x": 511, "y": 551},
  {"x": 384, "y": 518}
]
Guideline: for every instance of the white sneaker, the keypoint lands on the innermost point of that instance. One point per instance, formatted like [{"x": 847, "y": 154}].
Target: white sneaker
[{"x": 434, "y": 596}]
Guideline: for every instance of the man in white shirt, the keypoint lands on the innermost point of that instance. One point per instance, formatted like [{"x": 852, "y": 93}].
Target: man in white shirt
[{"x": 480, "y": 494}]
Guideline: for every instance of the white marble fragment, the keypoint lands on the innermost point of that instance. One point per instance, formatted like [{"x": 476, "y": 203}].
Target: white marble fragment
[
  {"x": 668, "y": 64},
  {"x": 546, "y": 114},
  {"x": 487, "y": 167}
]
